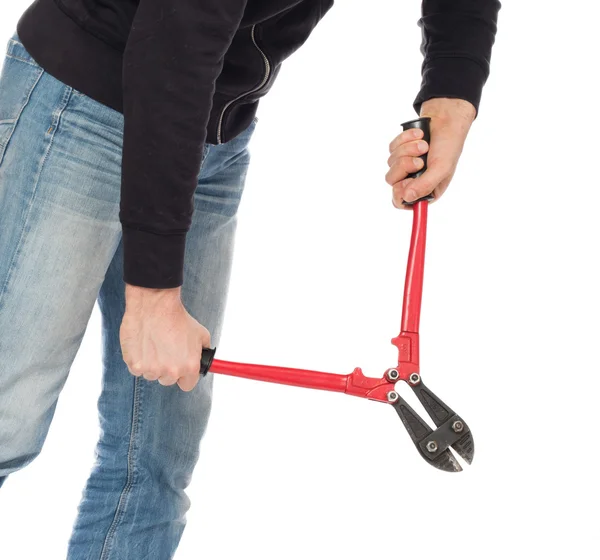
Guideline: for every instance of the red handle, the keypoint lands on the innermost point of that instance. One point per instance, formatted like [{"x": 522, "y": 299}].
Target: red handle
[
  {"x": 285, "y": 376},
  {"x": 354, "y": 383},
  {"x": 413, "y": 285}
]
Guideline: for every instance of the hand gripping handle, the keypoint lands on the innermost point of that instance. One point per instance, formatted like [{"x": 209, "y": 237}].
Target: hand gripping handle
[{"x": 422, "y": 123}]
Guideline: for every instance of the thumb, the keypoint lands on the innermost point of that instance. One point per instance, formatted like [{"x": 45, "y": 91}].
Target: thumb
[
  {"x": 205, "y": 338},
  {"x": 421, "y": 186}
]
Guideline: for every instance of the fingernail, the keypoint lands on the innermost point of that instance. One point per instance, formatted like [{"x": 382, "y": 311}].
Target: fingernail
[
  {"x": 417, "y": 132},
  {"x": 418, "y": 161},
  {"x": 422, "y": 146},
  {"x": 409, "y": 195}
]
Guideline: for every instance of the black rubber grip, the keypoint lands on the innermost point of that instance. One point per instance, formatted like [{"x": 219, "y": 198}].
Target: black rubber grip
[
  {"x": 423, "y": 124},
  {"x": 208, "y": 355}
]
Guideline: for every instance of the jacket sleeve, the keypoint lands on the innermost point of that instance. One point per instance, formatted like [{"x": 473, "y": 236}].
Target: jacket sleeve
[
  {"x": 457, "y": 40},
  {"x": 172, "y": 59}
]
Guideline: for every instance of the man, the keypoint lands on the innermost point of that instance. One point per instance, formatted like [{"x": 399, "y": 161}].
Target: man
[{"x": 124, "y": 132}]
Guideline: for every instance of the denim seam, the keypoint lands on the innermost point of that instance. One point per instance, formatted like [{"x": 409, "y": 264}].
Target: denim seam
[
  {"x": 125, "y": 493},
  {"x": 56, "y": 116},
  {"x": 22, "y": 60},
  {"x": 205, "y": 154},
  {"x": 16, "y": 119}
]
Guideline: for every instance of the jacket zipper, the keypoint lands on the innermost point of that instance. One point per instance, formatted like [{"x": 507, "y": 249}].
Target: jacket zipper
[{"x": 262, "y": 83}]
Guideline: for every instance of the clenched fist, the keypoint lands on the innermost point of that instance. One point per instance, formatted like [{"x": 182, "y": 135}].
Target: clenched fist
[
  {"x": 451, "y": 120},
  {"x": 160, "y": 340}
]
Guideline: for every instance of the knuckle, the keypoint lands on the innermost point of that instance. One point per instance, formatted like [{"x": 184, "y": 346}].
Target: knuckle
[
  {"x": 192, "y": 366},
  {"x": 167, "y": 380},
  {"x": 392, "y": 159},
  {"x": 416, "y": 148},
  {"x": 136, "y": 368},
  {"x": 172, "y": 371},
  {"x": 411, "y": 164}
]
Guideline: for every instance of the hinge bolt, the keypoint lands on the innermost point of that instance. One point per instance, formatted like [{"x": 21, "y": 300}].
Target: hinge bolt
[
  {"x": 392, "y": 396},
  {"x": 432, "y": 446},
  {"x": 458, "y": 426},
  {"x": 393, "y": 375},
  {"x": 414, "y": 378}
]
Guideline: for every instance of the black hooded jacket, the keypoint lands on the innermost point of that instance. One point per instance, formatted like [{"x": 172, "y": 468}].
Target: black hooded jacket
[{"x": 188, "y": 72}]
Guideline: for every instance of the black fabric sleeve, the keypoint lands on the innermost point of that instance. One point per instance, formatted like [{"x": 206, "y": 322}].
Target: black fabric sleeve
[
  {"x": 457, "y": 40},
  {"x": 173, "y": 57}
]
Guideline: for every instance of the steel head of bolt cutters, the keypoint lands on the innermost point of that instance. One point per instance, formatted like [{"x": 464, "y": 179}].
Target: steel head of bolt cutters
[{"x": 434, "y": 445}]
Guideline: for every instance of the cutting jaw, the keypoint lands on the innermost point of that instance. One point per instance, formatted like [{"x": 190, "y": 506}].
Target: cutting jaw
[{"x": 434, "y": 445}]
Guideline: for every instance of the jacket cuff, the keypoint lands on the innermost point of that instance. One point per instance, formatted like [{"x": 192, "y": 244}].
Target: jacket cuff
[
  {"x": 456, "y": 77},
  {"x": 153, "y": 260}
]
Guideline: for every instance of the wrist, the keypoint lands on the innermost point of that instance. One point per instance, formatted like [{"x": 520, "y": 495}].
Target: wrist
[
  {"x": 448, "y": 109},
  {"x": 138, "y": 297}
]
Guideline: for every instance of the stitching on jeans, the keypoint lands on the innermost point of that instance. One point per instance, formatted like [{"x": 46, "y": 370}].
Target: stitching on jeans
[
  {"x": 205, "y": 154},
  {"x": 135, "y": 424},
  {"x": 12, "y": 265},
  {"x": 16, "y": 119},
  {"x": 22, "y": 60}
]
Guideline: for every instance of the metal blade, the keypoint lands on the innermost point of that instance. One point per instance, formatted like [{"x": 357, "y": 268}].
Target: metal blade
[
  {"x": 440, "y": 413},
  {"x": 465, "y": 447},
  {"x": 419, "y": 431}
]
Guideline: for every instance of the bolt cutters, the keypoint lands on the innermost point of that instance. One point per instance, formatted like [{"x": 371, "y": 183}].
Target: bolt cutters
[{"x": 451, "y": 429}]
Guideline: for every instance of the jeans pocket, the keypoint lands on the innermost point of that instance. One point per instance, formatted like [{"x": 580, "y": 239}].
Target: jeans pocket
[{"x": 18, "y": 79}]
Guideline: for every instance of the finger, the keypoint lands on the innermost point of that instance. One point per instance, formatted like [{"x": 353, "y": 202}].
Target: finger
[
  {"x": 151, "y": 375},
  {"x": 136, "y": 369},
  {"x": 167, "y": 380},
  {"x": 421, "y": 186},
  {"x": 398, "y": 195},
  {"x": 405, "y": 136},
  {"x": 205, "y": 339},
  {"x": 188, "y": 382},
  {"x": 402, "y": 168},
  {"x": 415, "y": 148},
  {"x": 397, "y": 202}
]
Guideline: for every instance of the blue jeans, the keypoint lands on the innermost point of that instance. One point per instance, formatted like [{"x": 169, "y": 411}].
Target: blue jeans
[{"x": 60, "y": 251}]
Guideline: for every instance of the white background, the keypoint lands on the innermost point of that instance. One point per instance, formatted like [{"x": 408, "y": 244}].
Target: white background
[{"x": 509, "y": 325}]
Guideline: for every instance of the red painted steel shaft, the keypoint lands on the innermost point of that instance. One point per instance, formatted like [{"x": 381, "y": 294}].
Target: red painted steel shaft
[
  {"x": 413, "y": 285},
  {"x": 285, "y": 376}
]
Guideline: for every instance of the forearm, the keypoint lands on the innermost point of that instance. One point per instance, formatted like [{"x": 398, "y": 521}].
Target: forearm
[
  {"x": 445, "y": 109},
  {"x": 458, "y": 36},
  {"x": 172, "y": 60}
]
